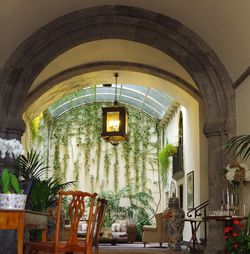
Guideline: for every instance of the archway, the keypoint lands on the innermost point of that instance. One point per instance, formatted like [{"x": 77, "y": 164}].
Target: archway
[{"x": 121, "y": 22}]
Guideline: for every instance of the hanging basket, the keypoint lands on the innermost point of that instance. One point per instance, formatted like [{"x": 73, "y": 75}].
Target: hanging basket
[{"x": 12, "y": 201}]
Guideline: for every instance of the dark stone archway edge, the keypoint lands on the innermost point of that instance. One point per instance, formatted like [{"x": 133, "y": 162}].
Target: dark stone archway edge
[{"x": 135, "y": 24}]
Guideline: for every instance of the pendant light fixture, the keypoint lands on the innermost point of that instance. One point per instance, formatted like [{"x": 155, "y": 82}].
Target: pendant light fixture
[{"x": 115, "y": 118}]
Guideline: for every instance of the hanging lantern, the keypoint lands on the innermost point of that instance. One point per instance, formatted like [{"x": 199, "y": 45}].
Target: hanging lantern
[{"x": 115, "y": 119}]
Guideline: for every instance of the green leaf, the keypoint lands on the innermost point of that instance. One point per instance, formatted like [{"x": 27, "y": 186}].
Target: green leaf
[
  {"x": 5, "y": 180},
  {"x": 239, "y": 146},
  {"x": 15, "y": 184}
]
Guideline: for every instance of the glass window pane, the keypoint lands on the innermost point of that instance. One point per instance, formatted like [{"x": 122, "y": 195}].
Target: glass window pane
[
  {"x": 139, "y": 89},
  {"x": 161, "y": 97},
  {"x": 155, "y": 102},
  {"x": 130, "y": 101},
  {"x": 157, "y": 115},
  {"x": 132, "y": 94}
]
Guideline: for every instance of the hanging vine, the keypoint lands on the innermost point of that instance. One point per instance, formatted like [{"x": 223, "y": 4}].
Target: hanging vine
[
  {"x": 79, "y": 131},
  {"x": 126, "y": 156},
  {"x": 106, "y": 165},
  {"x": 116, "y": 167}
]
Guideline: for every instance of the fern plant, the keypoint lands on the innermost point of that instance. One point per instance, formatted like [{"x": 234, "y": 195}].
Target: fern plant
[{"x": 164, "y": 154}]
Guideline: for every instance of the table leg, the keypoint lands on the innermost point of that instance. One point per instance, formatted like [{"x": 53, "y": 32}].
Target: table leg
[
  {"x": 194, "y": 227},
  {"x": 20, "y": 233}
]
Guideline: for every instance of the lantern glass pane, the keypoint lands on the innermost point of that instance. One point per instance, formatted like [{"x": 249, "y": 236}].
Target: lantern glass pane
[{"x": 113, "y": 121}]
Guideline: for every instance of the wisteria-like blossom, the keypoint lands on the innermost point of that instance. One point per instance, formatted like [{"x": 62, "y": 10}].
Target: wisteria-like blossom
[
  {"x": 237, "y": 172},
  {"x": 11, "y": 146}
]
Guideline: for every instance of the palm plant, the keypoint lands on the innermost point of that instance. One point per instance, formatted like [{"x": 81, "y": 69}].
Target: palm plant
[
  {"x": 44, "y": 193},
  {"x": 30, "y": 166},
  {"x": 239, "y": 146}
]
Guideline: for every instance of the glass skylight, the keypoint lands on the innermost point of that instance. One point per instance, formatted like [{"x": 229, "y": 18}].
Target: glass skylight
[{"x": 148, "y": 100}]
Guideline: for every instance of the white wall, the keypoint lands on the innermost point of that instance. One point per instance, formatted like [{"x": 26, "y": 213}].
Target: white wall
[{"x": 195, "y": 154}]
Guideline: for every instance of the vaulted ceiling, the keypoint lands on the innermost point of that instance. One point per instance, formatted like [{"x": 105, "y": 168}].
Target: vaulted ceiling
[{"x": 223, "y": 25}]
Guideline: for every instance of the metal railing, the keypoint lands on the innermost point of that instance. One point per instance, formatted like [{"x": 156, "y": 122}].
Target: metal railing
[{"x": 200, "y": 211}]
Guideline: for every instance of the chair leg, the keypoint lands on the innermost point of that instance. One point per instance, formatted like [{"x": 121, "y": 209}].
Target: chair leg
[
  {"x": 144, "y": 245},
  {"x": 160, "y": 245}
]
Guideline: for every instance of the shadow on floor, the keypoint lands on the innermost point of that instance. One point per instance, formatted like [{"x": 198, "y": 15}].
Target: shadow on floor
[{"x": 139, "y": 248}]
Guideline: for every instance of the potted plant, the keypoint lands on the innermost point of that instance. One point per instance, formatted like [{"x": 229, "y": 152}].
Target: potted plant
[
  {"x": 239, "y": 146},
  {"x": 11, "y": 196},
  {"x": 164, "y": 154},
  {"x": 238, "y": 237}
]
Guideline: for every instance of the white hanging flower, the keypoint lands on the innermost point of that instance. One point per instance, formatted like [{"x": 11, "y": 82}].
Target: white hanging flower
[
  {"x": 237, "y": 172},
  {"x": 11, "y": 146}
]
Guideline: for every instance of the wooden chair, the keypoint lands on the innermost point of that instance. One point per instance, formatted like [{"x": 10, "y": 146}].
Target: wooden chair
[
  {"x": 76, "y": 210},
  {"x": 101, "y": 206}
]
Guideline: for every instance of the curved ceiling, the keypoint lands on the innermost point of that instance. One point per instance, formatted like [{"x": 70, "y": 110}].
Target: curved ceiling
[
  {"x": 105, "y": 76},
  {"x": 153, "y": 102},
  {"x": 101, "y": 51},
  {"x": 222, "y": 24}
]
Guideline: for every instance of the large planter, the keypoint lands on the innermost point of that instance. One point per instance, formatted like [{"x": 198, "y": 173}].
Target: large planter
[{"x": 12, "y": 201}]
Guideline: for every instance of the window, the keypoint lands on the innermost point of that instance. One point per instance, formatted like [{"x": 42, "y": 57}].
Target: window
[{"x": 178, "y": 169}]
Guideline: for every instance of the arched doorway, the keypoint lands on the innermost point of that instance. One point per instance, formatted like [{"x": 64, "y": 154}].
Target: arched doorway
[{"x": 139, "y": 25}]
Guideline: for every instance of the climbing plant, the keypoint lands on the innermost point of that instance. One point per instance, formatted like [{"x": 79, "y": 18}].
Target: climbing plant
[{"x": 77, "y": 152}]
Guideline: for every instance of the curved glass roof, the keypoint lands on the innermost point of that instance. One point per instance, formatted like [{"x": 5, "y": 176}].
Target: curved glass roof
[{"x": 148, "y": 100}]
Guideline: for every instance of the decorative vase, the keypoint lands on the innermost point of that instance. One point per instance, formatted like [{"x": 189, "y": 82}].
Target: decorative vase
[
  {"x": 173, "y": 219},
  {"x": 13, "y": 201},
  {"x": 235, "y": 198}
]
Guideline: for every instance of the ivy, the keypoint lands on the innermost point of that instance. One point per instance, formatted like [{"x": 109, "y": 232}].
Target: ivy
[
  {"x": 57, "y": 163},
  {"x": 106, "y": 165},
  {"x": 116, "y": 172},
  {"x": 126, "y": 156},
  {"x": 78, "y": 132}
]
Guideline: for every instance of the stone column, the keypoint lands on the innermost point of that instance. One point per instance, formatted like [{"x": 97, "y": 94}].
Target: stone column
[{"x": 216, "y": 134}]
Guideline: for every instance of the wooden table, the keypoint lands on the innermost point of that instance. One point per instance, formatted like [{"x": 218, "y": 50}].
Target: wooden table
[
  {"x": 225, "y": 218},
  {"x": 23, "y": 219}
]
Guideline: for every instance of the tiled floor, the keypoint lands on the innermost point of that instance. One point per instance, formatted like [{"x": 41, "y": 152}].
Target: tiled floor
[{"x": 139, "y": 248}]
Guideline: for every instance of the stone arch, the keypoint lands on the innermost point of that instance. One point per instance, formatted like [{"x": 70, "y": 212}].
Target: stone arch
[
  {"x": 134, "y": 24},
  {"x": 121, "y": 22},
  {"x": 114, "y": 65}
]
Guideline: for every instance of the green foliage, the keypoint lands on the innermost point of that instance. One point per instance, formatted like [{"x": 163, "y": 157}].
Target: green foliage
[
  {"x": 164, "y": 154},
  {"x": 238, "y": 238},
  {"x": 30, "y": 166},
  {"x": 116, "y": 171},
  {"x": 83, "y": 126},
  {"x": 239, "y": 146},
  {"x": 44, "y": 193},
  {"x": 9, "y": 182},
  {"x": 106, "y": 165},
  {"x": 139, "y": 211}
]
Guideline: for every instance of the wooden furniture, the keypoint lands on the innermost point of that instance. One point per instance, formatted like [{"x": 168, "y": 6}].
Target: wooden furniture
[
  {"x": 20, "y": 220},
  {"x": 155, "y": 233},
  {"x": 226, "y": 219},
  {"x": 100, "y": 211},
  {"x": 195, "y": 224},
  {"x": 76, "y": 209}
]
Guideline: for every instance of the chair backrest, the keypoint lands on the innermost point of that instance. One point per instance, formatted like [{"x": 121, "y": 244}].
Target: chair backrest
[
  {"x": 159, "y": 221},
  {"x": 100, "y": 209},
  {"x": 76, "y": 210}
]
